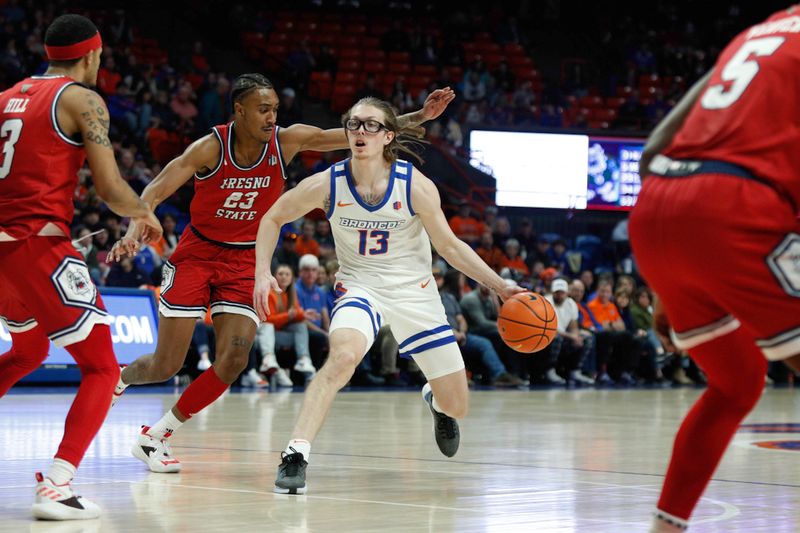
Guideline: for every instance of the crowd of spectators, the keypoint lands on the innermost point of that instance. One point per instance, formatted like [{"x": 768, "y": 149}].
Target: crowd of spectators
[{"x": 160, "y": 101}]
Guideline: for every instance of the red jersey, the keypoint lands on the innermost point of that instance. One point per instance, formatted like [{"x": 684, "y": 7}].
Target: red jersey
[
  {"x": 230, "y": 200},
  {"x": 749, "y": 112},
  {"x": 39, "y": 164}
]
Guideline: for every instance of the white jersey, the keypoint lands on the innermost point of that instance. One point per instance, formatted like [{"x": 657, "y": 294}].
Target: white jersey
[{"x": 378, "y": 246}]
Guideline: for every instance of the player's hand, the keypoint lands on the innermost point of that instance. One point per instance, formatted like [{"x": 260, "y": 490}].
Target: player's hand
[
  {"x": 148, "y": 227},
  {"x": 437, "y": 102},
  {"x": 264, "y": 284},
  {"x": 127, "y": 246},
  {"x": 509, "y": 290}
]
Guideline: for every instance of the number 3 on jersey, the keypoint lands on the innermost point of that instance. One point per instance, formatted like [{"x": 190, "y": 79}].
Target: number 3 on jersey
[
  {"x": 9, "y": 132},
  {"x": 381, "y": 242},
  {"x": 739, "y": 71}
]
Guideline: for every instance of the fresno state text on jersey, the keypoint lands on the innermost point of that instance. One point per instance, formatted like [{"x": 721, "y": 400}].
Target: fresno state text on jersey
[{"x": 230, "y": 200}]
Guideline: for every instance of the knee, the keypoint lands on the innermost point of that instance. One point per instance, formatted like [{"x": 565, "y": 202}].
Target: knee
[
  {"x": 742, "y": 396},
  {"x": 341, "y": 364},
  {"x": 163, "y": 368},
  {"x": 230, "y": 364}
]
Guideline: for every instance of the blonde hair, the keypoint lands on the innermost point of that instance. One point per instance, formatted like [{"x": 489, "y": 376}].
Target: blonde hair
[{"x": 405, "y": 139}]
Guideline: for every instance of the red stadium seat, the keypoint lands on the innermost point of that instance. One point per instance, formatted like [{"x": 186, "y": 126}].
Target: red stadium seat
[
  {"x": 624, "y": 90},
  {"x": 603, "y": 115},
  {"x": 429, "y": 71},
  {"x": 514, "y": 49},
  {"x": 456, "y": 72},
  {"x": 375, "y": 66},
  {"x": 489, "y": 48},
  {"x": 320, "y": 85},
  {"x": 349, "y": 65},
  {"x": 614, "y": 102},
  {"x": 598, "y": 125},
  {"x": 590, "y": 101},
  {"x": 399, "y": 57},
  {"x": 371, "y": 54},
  {"x": 349, "y": 54},
  {"x": 493, "y": 59},
  {"x": 346, "y": 77},
  {"x": 399, "y": 68},
  {"x": 278, "y": 37}
]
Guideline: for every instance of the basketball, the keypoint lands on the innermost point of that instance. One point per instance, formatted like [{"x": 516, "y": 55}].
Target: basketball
[{"x": 527, "y": 322}]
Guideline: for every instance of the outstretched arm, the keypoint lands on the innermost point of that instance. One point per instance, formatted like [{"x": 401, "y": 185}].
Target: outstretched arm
[
  {"x": 302, "y": 137},
  {"x": 311, "y": 193},
  {"x": 427, "y": 204},
  {"x": 665, "y": 131},
  {"x": 202, "y": 155}
]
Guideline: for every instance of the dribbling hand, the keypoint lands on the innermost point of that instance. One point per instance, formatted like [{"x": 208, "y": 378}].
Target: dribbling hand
[
  {"x": 437, "y": 102},
  {"x": 510, "y": 290},
  {"x": 264, "y": 284}
]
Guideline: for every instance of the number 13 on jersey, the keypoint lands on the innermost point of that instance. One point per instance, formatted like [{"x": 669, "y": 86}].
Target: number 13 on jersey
[{"x": 381, "y": 244}]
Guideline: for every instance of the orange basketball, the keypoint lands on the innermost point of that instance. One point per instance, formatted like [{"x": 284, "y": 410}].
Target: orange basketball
[{"x": 527, "y": 322}]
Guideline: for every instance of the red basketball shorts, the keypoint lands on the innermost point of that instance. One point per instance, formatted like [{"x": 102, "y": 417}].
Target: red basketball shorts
[
  {"x": 722, "y": 252},
  {"x": 44, "y": 281},
  {"x": 200, "y": 274}
]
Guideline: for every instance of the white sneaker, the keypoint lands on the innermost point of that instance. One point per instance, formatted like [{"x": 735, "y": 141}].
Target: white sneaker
[
  {"x": 119, "y": 389},
  {"x": 269, "y": 363},
  {"x": 304, "y": 366},
  {"x": 578, "y": 377},
  {"x": 59, "y": 502},
  {"x": 203, "y": 364},
  {"x": 155, "y": 453},
  {"x": 283, "y": 379},
  {"x": 254, "y": 379},
  {"x": 553, "y": 377}
]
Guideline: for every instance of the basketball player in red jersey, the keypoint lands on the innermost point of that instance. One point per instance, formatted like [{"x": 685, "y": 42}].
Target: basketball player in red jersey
[
  {"x": 48, "y": 126},
  {"x": 238, "y": 174},
  {"x": 715, "y": 234}
]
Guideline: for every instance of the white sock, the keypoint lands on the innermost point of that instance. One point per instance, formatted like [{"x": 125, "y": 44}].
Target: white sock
[
  {"x": 168, "y": 424},
  {"x": 121, "y": 385},
  {"x": 436, "y": 406},
  {"x": 667, "y": 523},
  {"x": 299, "y": 445},
  {"x": 61, "y": 472}
]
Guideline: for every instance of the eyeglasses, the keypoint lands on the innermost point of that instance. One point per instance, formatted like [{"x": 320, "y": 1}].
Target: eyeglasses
[{"x": 370, "y": 126}]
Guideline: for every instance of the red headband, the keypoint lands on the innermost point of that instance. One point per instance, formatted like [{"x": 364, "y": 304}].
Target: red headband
[{"x": 74, "y": 51}]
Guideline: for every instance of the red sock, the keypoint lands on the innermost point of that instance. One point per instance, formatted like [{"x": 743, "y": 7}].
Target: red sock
[
  {"x": 201, "y": 393},
  {"x": 99, "y": 375},
  {"x": 735, "y": 369},
  {"x": 28, "y": 351}
]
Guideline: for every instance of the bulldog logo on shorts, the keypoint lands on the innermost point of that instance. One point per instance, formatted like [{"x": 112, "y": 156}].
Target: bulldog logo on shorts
[
  {"x": 74, "y": 284},
  {"x": 167, "y": 276},
  {"x": 784, "y": 261}
]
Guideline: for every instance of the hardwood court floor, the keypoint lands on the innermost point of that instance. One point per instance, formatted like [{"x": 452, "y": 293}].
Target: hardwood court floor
[{"x": 557, "y": 460}]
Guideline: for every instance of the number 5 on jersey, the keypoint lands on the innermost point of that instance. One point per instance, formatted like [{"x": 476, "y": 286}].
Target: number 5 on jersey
[
  {"x": 739, "y": 71},
  {"x": 381, "y": 242}
]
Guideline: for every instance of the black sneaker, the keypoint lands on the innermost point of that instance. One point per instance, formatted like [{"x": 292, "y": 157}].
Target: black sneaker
[
  {"x": 445, "y": 428},
  {"x": 291, "y": 474}
]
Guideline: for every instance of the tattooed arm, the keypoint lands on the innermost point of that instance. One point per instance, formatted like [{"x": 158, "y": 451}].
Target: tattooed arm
[{"x": 82, "y": 113}]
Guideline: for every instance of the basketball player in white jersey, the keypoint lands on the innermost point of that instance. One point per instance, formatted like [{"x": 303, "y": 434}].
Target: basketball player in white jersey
[{"x": 382, "y": 211}]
